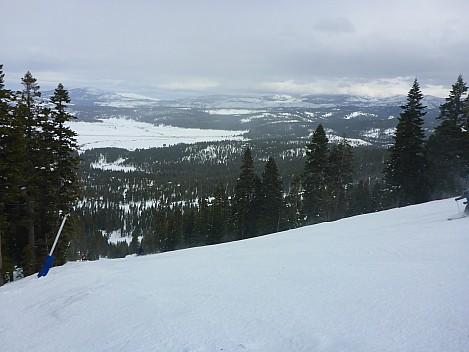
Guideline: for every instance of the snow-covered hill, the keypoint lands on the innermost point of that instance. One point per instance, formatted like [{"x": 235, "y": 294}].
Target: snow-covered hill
[
  {"x": 390, "y": 281},
  {"x": 90, "y": 96}
]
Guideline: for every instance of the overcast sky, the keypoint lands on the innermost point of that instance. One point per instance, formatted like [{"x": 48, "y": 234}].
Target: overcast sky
[{"x": 368, "y": 47}]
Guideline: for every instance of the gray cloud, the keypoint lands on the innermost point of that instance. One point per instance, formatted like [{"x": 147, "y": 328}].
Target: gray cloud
[
  {"x": 236, "y": 46},
  {"x": 334, "y": 25}
]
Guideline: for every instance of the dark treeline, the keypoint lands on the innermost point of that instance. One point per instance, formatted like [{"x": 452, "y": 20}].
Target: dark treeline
[{"x": 207, "y": 193}]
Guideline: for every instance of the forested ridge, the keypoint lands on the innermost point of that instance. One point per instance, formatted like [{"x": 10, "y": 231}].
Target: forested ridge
[
  {"x": 179, "y": 176},
  {"x": 163, "y": 199}
]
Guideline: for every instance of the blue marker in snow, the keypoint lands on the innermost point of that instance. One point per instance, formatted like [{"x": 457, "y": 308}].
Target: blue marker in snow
[{"x": 50, "y": 259}]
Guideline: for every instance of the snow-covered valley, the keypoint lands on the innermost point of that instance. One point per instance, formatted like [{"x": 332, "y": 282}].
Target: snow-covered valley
[
  {"x": 389, "y": 281},
  {"x": 364, "y": 120},
  {"x": 131, "y": 134}
]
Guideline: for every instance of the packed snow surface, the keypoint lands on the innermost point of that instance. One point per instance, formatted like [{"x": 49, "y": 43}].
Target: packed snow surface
[{"x": 389, "y": 281}]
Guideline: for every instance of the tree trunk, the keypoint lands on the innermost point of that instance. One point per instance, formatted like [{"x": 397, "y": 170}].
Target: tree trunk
[
  {"x": 2, "y": 223},
  {"x": 1, "y": 266},
  {"x": 32, "y": 236}
]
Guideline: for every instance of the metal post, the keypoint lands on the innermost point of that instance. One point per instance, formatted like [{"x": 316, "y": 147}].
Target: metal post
[
  {"x": 58, "y": 233},
  {"x": 50, "y": 259}
]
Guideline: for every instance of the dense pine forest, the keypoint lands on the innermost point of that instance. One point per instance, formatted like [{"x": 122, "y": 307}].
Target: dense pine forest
[
  {"x": 163, "y": 199},
  {"x": 182, "y": 178}
]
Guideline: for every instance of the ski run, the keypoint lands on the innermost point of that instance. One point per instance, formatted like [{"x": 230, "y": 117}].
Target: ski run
[{"x": 396, "y": 280}]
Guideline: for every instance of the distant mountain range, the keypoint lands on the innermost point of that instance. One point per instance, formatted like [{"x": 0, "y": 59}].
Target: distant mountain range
[
  {"x": 93, "y": 96},
  {"x": 366, "y": 120}
]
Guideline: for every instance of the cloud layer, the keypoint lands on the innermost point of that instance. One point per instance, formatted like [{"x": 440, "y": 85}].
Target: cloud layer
[{"x": 298, "y": 46}]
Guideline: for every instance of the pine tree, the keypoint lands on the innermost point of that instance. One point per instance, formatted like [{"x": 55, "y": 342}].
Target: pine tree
[
  {"x": 5, "y": 97},
  {"x": 189, "y": 221},
  {"x": 219, "y": 216},
  {"x": 465, "y": 137},
  {"x": 254, "y": 213},
  {"x": 339, "y": 178},
  {"x": 454, "y": 107},
  {"x": 154, "y": 240},
  {"x": 202, "y": 222},
  {"x": 314, "y": 177},
  {"x": 360, "y": 199},
  {"x": 447, "y": 147},
  {"x": 405, "y": 173},
  {"x": 30, "y": 114},
  {"x": 63, "y": 146},
  {"x": 271, "y": 199},
  {"x": 243, "y": 211},
  {"x": 60, "y": 184},
  {"x": 293, "y": 204},
  {"x": 174, "y": 229}
]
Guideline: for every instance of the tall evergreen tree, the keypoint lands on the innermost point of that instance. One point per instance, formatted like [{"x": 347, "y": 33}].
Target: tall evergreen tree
[
  {"x": 63, "y": 147},
  {"x": 314, "y": 177},
  {"x": 339, "y": 178},
  {"x": 454, "y": 107},
  {"x": 405, "y": 172},
  {"x": 219, "y": 216},
  {"x": 60, "y": 184},
  {"x": 271, "y": 199},
  {"x": 5, "y": 97},
  {"x": 29, "y": 111},
  {"x": 13, "y": 175},
  {"x": 465, "y": 138},
  {"x": 244, "y": 198},
  {"x": 447, "y": 147}
]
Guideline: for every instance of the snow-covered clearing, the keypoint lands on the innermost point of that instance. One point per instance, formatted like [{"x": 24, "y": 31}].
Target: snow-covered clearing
[
  {"x": 231, "y": 111},
  {"x": 354, "y": 142},
  {"x": 117, "y": 165},
  {"x": 376, "y": 132},
  {"x": 390, "y": 281},
  {"x": 357, "y": 114},
  {"x": 130, "y": 134}
]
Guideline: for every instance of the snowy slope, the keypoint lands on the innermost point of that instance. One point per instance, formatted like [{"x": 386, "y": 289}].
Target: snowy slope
[{"x": 390, "y": 281}]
